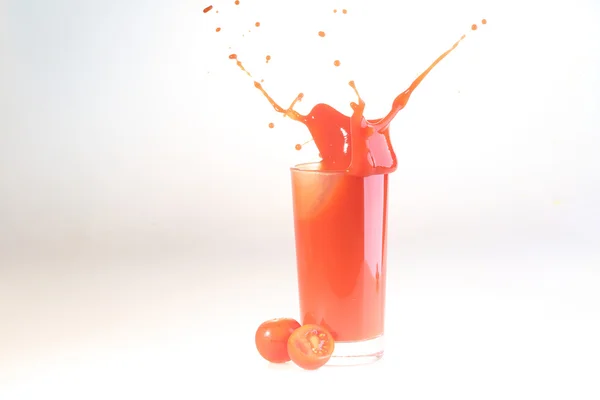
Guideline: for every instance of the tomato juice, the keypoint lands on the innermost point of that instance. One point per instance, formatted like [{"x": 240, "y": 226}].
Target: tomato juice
[{"x": 340, "y": 231}]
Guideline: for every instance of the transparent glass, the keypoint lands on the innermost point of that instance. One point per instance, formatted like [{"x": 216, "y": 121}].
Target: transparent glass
[{"x": 340, "y": 224}]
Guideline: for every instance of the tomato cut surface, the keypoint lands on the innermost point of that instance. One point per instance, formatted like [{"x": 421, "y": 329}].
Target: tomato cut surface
[
  {"x": 310, "y": 346},
  {"x": 272, "y": 337}
]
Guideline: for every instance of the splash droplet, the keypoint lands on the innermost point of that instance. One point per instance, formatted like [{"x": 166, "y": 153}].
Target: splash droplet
[
  {"x": 207, "y": 9},
  {"x": 336, "y": 63},
  {"x": 321, "y": 33}
]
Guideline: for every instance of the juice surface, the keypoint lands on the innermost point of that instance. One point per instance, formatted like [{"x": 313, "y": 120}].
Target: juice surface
[{"x": 340, "y": 230}]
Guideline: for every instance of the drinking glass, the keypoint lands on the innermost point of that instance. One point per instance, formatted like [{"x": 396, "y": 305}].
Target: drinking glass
[{"x": 340, "y": 225}]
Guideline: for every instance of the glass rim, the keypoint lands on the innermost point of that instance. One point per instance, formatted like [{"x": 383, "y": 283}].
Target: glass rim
[
  {"x": 305, "y": 168},
  {"x": 298, "y": 168}
]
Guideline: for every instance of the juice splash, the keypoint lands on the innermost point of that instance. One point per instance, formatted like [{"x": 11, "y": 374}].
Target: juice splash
[{"x": 353, "y": 144}]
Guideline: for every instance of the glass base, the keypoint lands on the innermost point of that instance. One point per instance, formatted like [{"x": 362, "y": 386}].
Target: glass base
[{"x": 357, "y": 353}]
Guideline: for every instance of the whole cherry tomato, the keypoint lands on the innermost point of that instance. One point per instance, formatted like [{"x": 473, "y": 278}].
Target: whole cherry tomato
[{"x": 272, "y": 338}]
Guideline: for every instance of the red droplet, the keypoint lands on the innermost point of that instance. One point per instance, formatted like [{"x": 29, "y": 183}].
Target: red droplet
[
  {"x": 473, "y": 27},
  {"x": 257, "y": 24},
  {"x": 334, "y": 11},
  {"x": 271, "y": 125},
  {"x": 336, "y": 63},
  {"x": 233, "y": 56},
  {"x": 484, "y": 21},
  {"x": 298, "y": 146},
  {"x": 345, "y": 11},
  {"x": 321, "y": 33},
  {"x": 237, "y": 2},
  {"x": 218, "y": 29},
  {"x": 207, "y": 9},
  {"x": 268, "y": 58}
]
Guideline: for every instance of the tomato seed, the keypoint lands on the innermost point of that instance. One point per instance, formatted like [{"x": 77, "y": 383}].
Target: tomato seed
[{"x": 314, "y": 341}]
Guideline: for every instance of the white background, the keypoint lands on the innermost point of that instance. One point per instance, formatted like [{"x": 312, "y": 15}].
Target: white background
[{"x": 138, "y": 255}]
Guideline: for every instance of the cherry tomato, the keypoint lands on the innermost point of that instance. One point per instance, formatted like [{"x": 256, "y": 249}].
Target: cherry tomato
[
  {"x": 272, "y": 337},
  {"x": 310, "y": 346}
]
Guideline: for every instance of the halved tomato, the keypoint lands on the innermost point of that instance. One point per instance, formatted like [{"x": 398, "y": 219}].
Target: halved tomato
[{"x": 310, "y": 346}]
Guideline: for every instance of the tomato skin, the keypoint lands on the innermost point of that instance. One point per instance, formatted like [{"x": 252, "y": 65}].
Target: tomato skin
[
  {"x": 310, "y": 346},
  {"x": 271, "y": 339}
]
